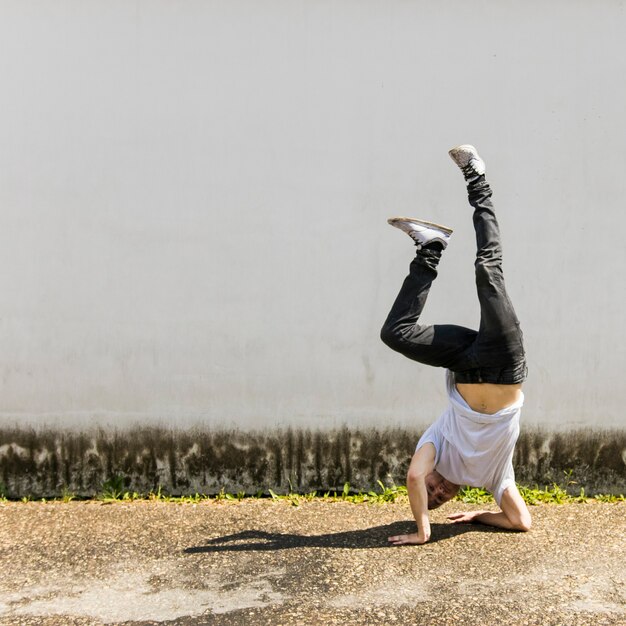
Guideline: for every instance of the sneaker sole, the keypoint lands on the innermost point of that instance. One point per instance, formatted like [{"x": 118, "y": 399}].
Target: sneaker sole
[
  {"x": 462, "y": 148},
  {"x": 444, "y": 229}
]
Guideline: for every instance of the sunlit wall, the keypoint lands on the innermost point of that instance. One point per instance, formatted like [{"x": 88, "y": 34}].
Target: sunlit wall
[{"x": 193, "y": 204}]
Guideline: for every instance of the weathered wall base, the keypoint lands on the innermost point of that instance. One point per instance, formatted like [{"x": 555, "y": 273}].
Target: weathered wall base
[{"x": 45, "y": 463}]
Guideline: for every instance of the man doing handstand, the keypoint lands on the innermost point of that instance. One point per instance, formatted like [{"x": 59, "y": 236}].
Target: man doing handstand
[{"x": 472, "y": 442}]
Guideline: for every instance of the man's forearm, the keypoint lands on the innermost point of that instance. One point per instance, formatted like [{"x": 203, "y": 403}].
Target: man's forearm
[
  {"x": 418, "y": 498},
  {"x": 496, "y": 519},
  {"x": 422, "y": 463},
  {"x": 514, "y": 514}
]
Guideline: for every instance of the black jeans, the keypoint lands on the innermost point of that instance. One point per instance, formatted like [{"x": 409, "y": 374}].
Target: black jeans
[{"x": 494, "y": 353}]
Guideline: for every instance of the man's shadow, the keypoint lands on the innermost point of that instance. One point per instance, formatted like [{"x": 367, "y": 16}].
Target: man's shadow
[{"x": 376, "y": 537}]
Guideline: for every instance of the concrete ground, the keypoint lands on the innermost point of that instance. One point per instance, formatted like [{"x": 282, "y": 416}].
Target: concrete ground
[{"x": 265, "y": 562}]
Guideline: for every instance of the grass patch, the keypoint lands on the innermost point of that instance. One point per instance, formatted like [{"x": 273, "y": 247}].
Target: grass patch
[
  {"x": 113, "y": 490},
  {"x": 610, "y": 498},
  {"x": 386, "y": 494},
  {"x": 473, "y": 495}
]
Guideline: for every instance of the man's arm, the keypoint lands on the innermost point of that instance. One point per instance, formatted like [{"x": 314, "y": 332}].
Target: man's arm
[
  {"x": 422, "y": 463},
  {"x": 514, "y": 514}
]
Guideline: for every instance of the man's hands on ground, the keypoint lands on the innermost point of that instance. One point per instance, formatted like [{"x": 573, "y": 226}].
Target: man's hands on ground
[
  {"x": 414, "y": 538},
  {"x": 420, "y": 537},
  {"x": 464, "y": 518}
]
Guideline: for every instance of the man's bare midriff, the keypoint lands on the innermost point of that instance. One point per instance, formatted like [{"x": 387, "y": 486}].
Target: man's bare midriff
[{"x": 489, "y": 398}]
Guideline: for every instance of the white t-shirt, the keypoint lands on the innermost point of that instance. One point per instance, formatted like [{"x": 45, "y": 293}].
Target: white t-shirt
[{"x": 474, "y": 448}]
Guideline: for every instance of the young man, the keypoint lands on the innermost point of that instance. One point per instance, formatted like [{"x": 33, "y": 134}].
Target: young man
[{"x": 472, "y": 442}]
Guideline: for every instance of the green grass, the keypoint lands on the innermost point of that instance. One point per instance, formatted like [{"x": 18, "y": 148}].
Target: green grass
[
  {"x": 386, "y": 494},
  {"x": 610, "y": 498},
  {"x": 113, "y": 490},
  {"x": 547, "y": 495}
]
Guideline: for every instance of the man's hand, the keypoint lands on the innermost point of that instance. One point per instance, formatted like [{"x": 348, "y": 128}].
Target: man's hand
[
  {"x": 414, "y": 538},
  {"x": 465, "y": 518}
]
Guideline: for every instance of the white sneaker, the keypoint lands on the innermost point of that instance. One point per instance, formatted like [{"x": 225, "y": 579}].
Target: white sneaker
[
  {"x": 422, "y": 232},
  {"x": 466, "y": 157}
]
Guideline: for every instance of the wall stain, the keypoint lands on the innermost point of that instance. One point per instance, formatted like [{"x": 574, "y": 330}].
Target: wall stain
[{"x": 46, "y": 462}]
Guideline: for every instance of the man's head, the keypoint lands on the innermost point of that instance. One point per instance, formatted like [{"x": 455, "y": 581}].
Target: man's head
[{"x": 439, "y": 489}]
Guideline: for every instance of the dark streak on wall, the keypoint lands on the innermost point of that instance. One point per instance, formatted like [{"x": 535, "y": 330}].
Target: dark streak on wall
[{"x": 44, "y": 463}]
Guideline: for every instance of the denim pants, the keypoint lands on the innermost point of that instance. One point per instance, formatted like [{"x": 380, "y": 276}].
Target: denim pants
[{"x": 494, "y": 353}]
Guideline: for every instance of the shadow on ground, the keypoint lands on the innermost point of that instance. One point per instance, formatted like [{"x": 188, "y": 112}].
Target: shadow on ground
[{"x": 376, "y": 537}]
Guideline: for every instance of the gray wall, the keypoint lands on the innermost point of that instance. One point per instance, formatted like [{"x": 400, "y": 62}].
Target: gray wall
[{"x": 193, "y": 201}]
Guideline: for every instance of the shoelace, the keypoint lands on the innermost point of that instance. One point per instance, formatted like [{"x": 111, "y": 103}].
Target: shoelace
[
  {"x": 469, "y": 170},
  {"x": 414, "y": 236}
]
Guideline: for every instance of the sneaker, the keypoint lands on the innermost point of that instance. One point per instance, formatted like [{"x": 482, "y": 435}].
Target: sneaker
[
  {"x": 422, "y": 232},
  {"x": 466, "y": 157}
]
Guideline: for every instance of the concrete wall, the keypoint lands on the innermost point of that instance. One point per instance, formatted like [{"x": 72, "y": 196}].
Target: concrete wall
[{"x": 193, "y": 201}]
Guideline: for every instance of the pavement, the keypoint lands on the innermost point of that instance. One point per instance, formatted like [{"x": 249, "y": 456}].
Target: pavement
[{"x": 268, "y": 562}]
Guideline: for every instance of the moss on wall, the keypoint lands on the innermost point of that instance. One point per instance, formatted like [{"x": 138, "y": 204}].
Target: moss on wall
[{"x": 46, "y": 462}]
